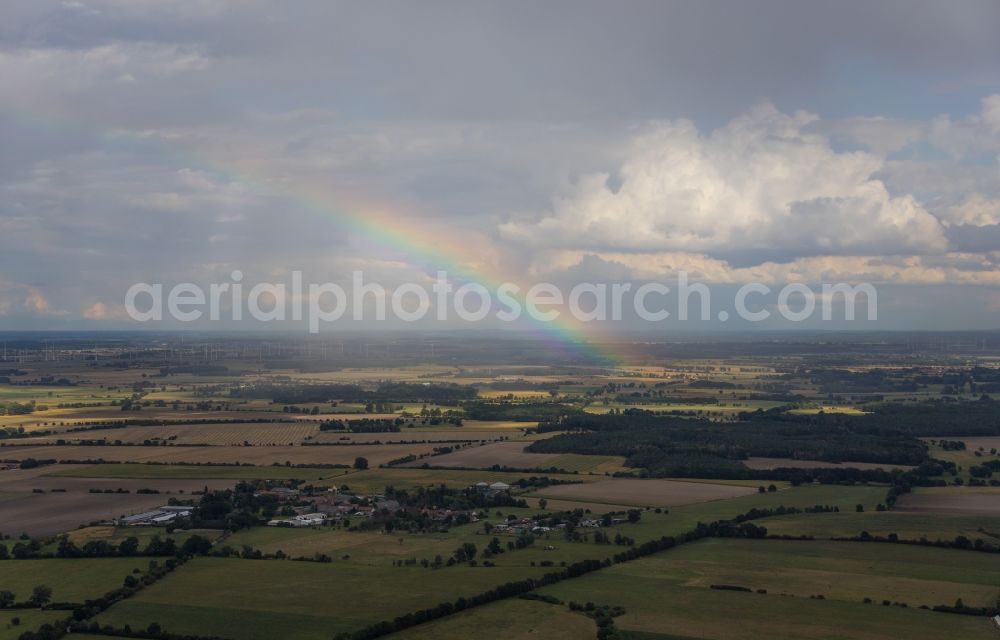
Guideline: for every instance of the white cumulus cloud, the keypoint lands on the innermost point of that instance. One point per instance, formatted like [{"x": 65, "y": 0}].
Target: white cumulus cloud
[{"x": 762, "y": 182}]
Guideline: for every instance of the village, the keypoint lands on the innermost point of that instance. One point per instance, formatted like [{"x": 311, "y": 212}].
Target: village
[{"x": 334, "y": 505}]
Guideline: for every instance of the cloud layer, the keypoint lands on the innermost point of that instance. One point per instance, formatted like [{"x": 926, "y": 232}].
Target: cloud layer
[{"x": 180, "y": 141}]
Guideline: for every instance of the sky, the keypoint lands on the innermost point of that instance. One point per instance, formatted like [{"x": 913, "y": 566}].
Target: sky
[{"x": 769, "y": 141}]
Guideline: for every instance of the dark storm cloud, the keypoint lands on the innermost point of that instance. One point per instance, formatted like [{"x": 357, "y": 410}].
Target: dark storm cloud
[{"x": 553, "y": 60}]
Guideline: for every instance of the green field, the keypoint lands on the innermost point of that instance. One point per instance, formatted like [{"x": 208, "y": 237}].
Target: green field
[
  {"x": 52, "y": 396},
  {"x": 376, "y": 574},
  {"x": 685, "y": 518},
  {"x": 30, "y": 620},
  {"x": 656, "y": 600},
  {"x": 72, "y": 580},
  {"x": 264, "y": 599},
  {"x": 512, "y": 619},
  {"x": 849, "y": 571},
  {"x": 371, "y": 548}
]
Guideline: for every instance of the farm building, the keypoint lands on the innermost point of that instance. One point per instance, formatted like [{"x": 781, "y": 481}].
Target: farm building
[
  {"x": 496, "y": 487},
  {"x": 304, "y": 520},
  {"x": 161, "y": 515},
  {"x": 282, "y": 493}
]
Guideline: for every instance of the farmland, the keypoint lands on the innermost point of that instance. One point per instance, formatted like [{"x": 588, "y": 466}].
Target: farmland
[
  {"x": 299, "y": 597},
  {"x": 28, "y": 619},
  {"x": 513, "y": 455},
  {"x": 777, "y": 463},
  {"x": 906, "y": 525},
  {"x": 656, "y": 493},
  {"x": 264, "y": 455},
  {"x": 72, "y": 580},
  {"x": 655, "y": 602},
  {"x": 656, "y": 320},
  {"x": 51, "y": 513},
  {"x": 510, "y": 619},
  {"x": 256, "y": 434},
  {"x": 421, "y": 503},
  {"x": 191, "y": 471},
  {"x": 837, "y": 570},
  {"x": 374, "y": 480},
  {"x": 971, "y": 500}
]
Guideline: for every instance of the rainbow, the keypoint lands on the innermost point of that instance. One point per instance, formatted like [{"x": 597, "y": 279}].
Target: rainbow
[{"x": 462, "y": 254}]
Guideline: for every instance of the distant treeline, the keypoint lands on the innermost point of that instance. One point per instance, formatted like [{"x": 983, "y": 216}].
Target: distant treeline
[
  {"x": 524, "y": 385},
  {"x": 871, "y": 381},
  {"x": 386, "y": 392},
  {"x": 365, "y": 425},
  {"x": 195, "y": 370},
  {"x": 381, "y": 425},
  {"x": 944, "y": 418},
  {"x": 517, "y": 412},
  {"x": 667, "y": 444},
  {"x": 673, "y": 446}
]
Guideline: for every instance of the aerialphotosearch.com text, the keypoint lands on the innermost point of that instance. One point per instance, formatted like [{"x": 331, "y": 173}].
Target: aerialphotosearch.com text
[{"x": 319, "y": 304}]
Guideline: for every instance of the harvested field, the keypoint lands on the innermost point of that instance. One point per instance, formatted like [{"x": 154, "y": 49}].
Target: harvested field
[
  {"x": 908, "y": 525},
  {"x": 790, "y": 463},
  {"x": 76, "y": 485},
  {"x": 507, "y": 425},
  {"x": 376, "y": 454},
  {"x": 116, "y": 535},
  {"x": 653, "y": 493},
  {"x": 194, "y": 434},
  {"x": 960, "y": 500},
  {"x": 456, "y": 434},
  {"x": 45, "y": 514},
  {"x": 516, "y": 395},
  {"x": 598, "y": 508},
  {"x": 201, "y": 472},
  {"x": 53, "y": 418},
  {"x": 985, "y": 443},
  {"x": 276, "y": 433}
]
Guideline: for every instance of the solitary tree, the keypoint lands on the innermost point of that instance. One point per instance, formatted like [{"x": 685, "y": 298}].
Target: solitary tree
[
  {"x": 40, "y": 595},
  {"x": 361, "y": 463}
]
